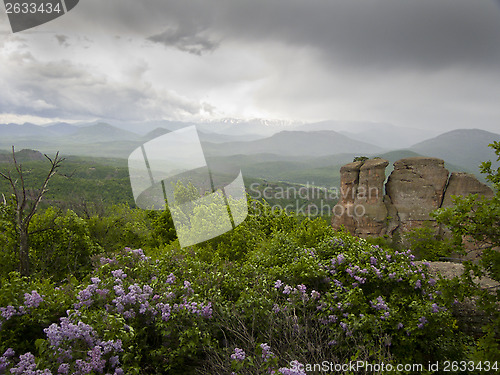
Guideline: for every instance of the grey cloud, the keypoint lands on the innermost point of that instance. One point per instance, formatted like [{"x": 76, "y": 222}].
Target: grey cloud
[
  {"x": 379, "y": 34},
  {"x": 66, "y": 89},
  {"x": 62, "y": 39},
  {"x": 423, "y": 34},
  {"x": 186, "y": 40}
]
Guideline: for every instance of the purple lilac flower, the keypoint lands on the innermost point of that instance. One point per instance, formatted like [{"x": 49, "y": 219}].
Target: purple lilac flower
[
  {"x": 207, "y": 310},
  {"x": 102, "y": 292},
  {"x": 8, "y": 312},
  {"x": 238, "y": 355},
  {"x": 63, "y": 369},
  {"x": 27, "y": 366},
  {"x": 278, "y": 284},
  {"x": 373, "y": 261},
  {"x": 418, "y": 284},
  {"x": 165, "y": 311},
  {"x": 294, "y": 369},
  {"x": 380, "y": 304},
  {"x": 400, "y": 325},
  {"x": 104, "y": 260},
  {"x": 68, "y": 331},
  {"x": 302, "y": 288},
  {"x": 266, "y": 352},
  {"x": 315, "y": 294},
  {"x": 287, "y": 289},
  {"x": 95, "y": 280},
  {"x": 435, "y": 308},
  {"x": 119, "y": 274},
  {"x": 187, "y": 286},
  {"x": 340, "y": 258},
  {"x": 432, "y": 282},
  {"x": 422, "y": 321},
  {"x": 32, "y": 300},
  {"x": 170, "y": 279},
  {"x": 114, "y": 361}
]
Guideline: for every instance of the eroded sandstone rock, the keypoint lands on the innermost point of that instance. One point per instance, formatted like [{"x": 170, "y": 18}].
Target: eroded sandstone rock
[
  {"x": 362, "y": 210},
  {"x": 416, "y": 187},
  {"x": 461, "y": 183}
]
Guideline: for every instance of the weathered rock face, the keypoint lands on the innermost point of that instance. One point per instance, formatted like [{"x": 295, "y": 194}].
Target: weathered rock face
[
  {"x": 362, "y": 210},
  {"x": 415, "y": 188},
  {"x": 464, "y": 184},
  {"x": 349, "y": 183}
]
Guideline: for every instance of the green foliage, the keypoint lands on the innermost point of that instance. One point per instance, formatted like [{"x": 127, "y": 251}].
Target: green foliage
[
  {"x": 426, "y": 244},
  {"x": 21, "y": 331},
  {"x": 279, "y": 287},
  {"x": 120, "y": 226},
  {"x": 61, "y": 245},
  {"x": 162, "y": 227},
  {"x": 360, "y": 158},
  {"x": 308, "y": 292},
  {"x": 477, "y": 220},
  {"x": 9, "y": 259},
  {"x": 184, "y": 194}
]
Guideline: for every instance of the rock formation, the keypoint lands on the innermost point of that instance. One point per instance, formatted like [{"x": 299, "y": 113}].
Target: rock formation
[
  {"x": 362, "y": 211},
  {"x": 464, "y": 184},
  {"x": 416, "y": 187}
]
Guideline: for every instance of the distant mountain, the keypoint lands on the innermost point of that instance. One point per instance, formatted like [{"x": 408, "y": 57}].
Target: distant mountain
[
  {"x": 158, "y": 132},
  {"x": 22, "y": 156},
  {"x": 205, "y": 137},
  {"x": 296, "y": 143},
  {"x": 464, "y": 147},
  {"x": 387, "y": 136},
  {"x": 26, "y": 130},
  {"x": 101, "y": 132},
  {"x": 62, "y": 128}
]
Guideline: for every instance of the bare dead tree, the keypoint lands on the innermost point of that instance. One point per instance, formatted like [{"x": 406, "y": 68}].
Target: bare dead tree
[{"x": 25, "y": 206}]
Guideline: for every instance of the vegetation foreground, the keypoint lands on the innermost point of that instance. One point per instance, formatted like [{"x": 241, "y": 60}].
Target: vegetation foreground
[{"x": 270, "y": 297}]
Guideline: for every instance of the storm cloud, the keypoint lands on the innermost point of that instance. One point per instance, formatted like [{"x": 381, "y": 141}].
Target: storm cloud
[{"x": 422, "y": 63}]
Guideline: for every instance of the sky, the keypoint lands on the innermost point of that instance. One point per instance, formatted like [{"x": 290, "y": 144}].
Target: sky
[{"x": 427, "y": 64}]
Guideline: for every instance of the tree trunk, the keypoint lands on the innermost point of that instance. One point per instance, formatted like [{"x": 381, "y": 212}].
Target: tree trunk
[{"x": 24, "y": 255}]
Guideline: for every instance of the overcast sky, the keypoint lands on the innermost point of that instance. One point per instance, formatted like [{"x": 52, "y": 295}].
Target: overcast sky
[{"x": 413, "y": 63}]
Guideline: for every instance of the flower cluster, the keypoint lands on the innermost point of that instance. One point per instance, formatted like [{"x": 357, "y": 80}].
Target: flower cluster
[
  {"x": 31, "y": 301},
  {"x": 238, "y": 355}
]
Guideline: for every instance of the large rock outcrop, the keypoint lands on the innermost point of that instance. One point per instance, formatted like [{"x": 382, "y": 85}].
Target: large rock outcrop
[
  {"x": 362, "y": 209},
  {"x": 461, "y": 183},
  {"x": 416, "y": 187}
]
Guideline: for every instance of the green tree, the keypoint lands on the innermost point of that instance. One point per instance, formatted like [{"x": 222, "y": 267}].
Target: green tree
[
  {"x": 61, "y": 245},
  {"x": 477, "y": 219}
]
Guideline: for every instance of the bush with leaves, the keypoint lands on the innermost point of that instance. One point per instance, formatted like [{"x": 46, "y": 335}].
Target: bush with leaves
[
  {"x": 61, "y": 245},
  {"x": 426, "y": 244},
  {"x": 303, "y": 291},
  {"x": 477, "y": 219}
]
